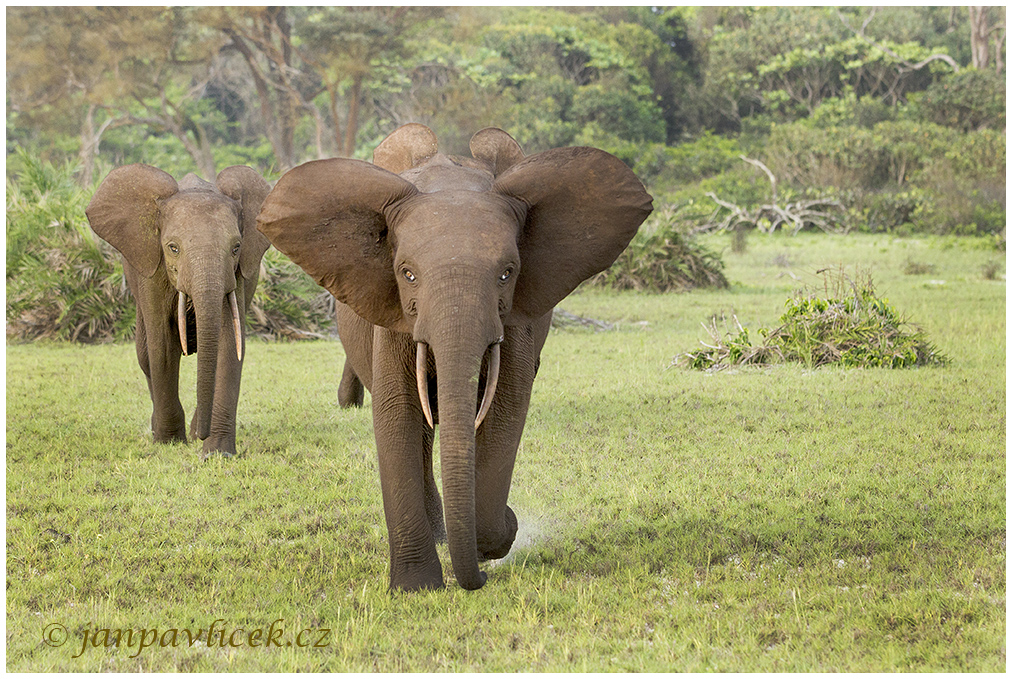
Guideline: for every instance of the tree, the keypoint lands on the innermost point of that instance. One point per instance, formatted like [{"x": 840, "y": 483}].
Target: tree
[
  {"x": 350, "y": 50},
  {"x": 117, "y": 66},
  {"x": 987, "y": 24},
  {"x": 80, "y": 86},
  {"x": 263, "y": 37}
]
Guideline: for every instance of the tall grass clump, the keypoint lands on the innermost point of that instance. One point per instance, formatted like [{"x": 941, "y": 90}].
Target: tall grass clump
[
  {"x": 850, "y": 325},
  {"x": 63, "y": 282},
  {"x": 663, "y": 257}
]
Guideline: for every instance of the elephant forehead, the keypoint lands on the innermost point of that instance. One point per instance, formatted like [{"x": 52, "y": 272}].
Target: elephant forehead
[
  {"x": 201, "y": 205},
  {"x": 443, "y": 173},
  {"x": 457, "y": 214},
  {"x": 197, "y": 214}
]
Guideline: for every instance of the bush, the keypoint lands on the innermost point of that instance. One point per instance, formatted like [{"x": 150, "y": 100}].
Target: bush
[
  {"x": 63, "y": 282},
  {"x": 899, "y": 175},
  {"x": 663, "y": 258},
  {"x": 288, "y": 304},
  {"x": 968, "y": 100},
  {"x": 852, "y": 327}
]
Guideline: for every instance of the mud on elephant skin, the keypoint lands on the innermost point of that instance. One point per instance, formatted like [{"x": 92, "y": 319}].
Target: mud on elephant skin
[
  {"x": 446, "y": 270},
  {"x": 191, "y": 254}
]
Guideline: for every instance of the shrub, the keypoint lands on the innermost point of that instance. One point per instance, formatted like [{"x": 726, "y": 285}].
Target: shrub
[
  {"x": 662, "y": 257},
  {"x": 288, "y": 304},
  {"x": 968, "y": 100},
  {"x": 63, "y": 282},
  {"x": 852, "y": 327}
]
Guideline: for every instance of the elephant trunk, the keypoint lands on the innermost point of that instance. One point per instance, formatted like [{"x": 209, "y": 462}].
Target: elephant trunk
[
  {"x": 460, "y": 347},
  {"x": 457, "y": 374},
  {"x": 209, "y": 305}
]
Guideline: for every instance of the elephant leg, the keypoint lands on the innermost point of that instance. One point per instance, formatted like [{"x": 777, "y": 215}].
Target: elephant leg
[
  {"x": 158, "y": 356},
  {"x": 399, "y": 427},
  {"x": 141, "y": 345},
  {"x": 496, "y": 443},
  {"x": 351, "y": 393},
  {"x": 433, "y": 504},
  {"x": 226, "y": 390}
]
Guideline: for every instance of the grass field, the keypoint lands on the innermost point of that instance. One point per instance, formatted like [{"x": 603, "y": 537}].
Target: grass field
[{"x": 780, "y": 519}]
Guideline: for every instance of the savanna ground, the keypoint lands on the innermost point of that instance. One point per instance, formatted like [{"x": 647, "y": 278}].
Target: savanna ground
[{"x": 749, "y": 520}]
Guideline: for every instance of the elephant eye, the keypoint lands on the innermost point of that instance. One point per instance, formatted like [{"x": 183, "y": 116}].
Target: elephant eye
[
  {"x": 173, "y": 248},
  {"x": 408, "y": 275},
  {"x": 235, "y": 249},
  {"x": 505, "y": 276}
]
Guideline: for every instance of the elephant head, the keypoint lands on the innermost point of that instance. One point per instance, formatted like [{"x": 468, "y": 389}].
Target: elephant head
[
  {"x": 453, "y": 251},
  {"x": 201, "y": 238}
]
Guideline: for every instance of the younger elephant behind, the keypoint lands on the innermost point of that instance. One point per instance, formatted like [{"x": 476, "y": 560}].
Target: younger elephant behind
[{"x": 191, "y": 254}]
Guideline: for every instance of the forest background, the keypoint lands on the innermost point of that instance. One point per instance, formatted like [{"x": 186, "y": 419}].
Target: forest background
[{"x": 845, "y": 119}]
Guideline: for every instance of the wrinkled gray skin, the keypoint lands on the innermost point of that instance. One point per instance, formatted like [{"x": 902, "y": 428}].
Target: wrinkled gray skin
[
  {"x": 454, "y": 260},
  {"x": 195, "y": 239}
]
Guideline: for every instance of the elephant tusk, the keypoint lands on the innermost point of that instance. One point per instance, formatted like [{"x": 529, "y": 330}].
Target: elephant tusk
[
  {"x": 421, "y": 370},
  {"x": 182, "y": 322},
  {"x": 237, "y": 323},
  {"x": 490, "y": 384}
]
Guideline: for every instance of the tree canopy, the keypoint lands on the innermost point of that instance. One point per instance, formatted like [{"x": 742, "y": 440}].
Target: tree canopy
[{"x": 275, "y": 86}]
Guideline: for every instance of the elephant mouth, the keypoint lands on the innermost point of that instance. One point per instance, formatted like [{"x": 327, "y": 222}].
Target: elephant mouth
[
  {"x": 184, "y": 333},
  {"x": 491, "y": 381}
]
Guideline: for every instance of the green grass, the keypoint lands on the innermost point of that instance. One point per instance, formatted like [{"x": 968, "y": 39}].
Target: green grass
[{"x": 776, "y": 519}]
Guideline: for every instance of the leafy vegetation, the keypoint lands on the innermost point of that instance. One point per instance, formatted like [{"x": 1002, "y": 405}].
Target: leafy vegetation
[
  {"x": 851, "y": 326},
  {"x": 670, "y": 520},
  {"x": 63, "y": 282},
  {"x": 663, "y": 257}
]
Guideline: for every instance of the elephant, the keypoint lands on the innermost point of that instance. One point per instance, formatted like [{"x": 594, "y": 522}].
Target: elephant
[
  {"x": 191, "y": 255},
  {"x": 446, "y": 270}
]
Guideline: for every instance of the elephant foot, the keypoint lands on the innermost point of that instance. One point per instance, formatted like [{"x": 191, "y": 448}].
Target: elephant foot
[
  {"x": 171, "y": 437},
  {"x": 416, "y": 579},
  {"x": 225, "y": 448},
  {"x": 350, "y": 393},
  {"x": 169, "y": 428},
  {"x": 498, "y": 546}
]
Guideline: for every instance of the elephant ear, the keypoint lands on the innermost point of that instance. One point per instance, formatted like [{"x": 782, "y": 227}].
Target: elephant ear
[
  {"x": 406, "y": 147},
  {"x": 497, "y": 148},
  {"x": 584, "y": 206},
  {"x": 329, "y": 217},
  {"x": 125, "y": 212},
  {"x": 245, "y": 186}
]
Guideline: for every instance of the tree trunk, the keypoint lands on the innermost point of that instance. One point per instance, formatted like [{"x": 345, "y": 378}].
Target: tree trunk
[
  {"x": 90, "y": 140},
  {"x": 89, "y": 147},
  {"x": 351, "y": 131},
  {"x": 999, "y": 49},
  {"x": 979, "y": 30}
]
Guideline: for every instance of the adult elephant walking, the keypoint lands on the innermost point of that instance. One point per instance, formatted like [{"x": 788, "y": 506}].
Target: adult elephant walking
[
  {"x": 448, "y": 274},
  {"x": 191, "y": 254}
]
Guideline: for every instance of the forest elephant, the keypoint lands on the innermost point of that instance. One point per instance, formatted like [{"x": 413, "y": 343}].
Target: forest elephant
[
  {"x": 446, "y": 270},
  {"x": 191, "y": 254}
]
